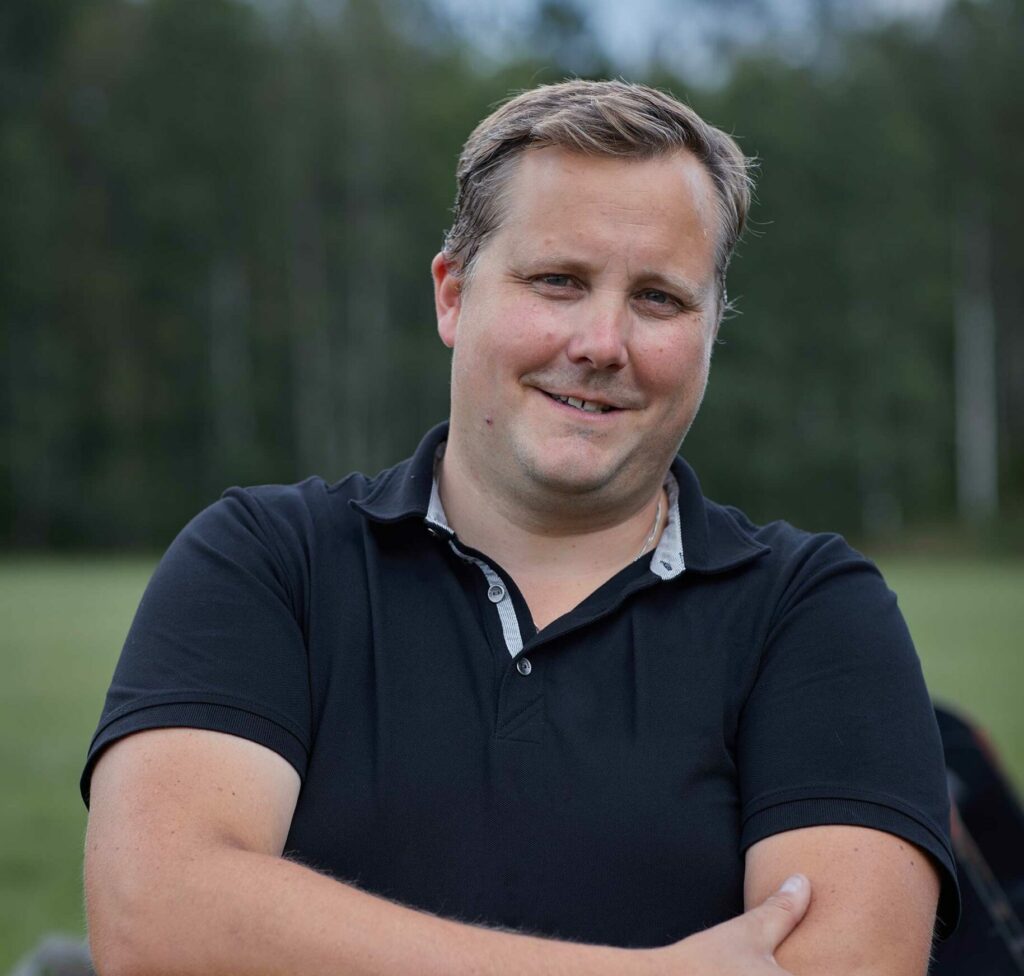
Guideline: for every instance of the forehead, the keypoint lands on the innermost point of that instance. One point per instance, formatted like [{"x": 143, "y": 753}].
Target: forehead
[{"x": 661, "y": 210}]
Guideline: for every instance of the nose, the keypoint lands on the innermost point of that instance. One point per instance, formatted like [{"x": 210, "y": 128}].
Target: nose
[{"x": 600, "y": 338}]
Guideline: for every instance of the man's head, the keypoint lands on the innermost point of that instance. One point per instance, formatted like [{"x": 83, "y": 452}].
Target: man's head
[
  {"x": 593, "y": 118},
  {"x": 580, "y": 291}
]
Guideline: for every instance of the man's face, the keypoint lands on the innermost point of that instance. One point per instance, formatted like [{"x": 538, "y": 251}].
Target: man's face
[{"x": 599, "y": 286}]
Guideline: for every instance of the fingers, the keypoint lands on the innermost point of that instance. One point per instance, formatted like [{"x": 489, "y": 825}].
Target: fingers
[
  {"x": 781, "y": 912},
  {"x": 746, "y": 944}
]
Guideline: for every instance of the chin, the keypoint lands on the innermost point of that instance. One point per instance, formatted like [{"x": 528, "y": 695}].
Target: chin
[
  {"x": 568, "y": 475},
  {"x": 562, "y": 484}
]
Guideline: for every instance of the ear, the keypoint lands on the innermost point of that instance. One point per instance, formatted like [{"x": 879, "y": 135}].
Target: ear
[{"x": 447, "y": 298}]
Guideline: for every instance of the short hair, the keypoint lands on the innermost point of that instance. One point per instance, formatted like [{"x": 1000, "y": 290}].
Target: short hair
[{"x": 597, "y": 118}]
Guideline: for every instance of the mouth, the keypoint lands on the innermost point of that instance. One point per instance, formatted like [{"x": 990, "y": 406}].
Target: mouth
[{"x": 585, "y": 406}]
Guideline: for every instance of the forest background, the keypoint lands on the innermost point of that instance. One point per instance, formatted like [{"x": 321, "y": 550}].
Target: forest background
[{"x": 216, "y": 221}]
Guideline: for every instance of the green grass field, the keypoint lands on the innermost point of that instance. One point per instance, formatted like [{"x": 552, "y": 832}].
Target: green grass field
[{"x": 61, "y": 626}]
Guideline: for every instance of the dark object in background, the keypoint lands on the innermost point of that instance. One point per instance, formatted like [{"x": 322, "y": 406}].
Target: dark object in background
[{"x": 988, "y": 840}]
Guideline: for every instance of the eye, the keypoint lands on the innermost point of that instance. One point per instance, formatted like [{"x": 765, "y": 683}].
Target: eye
[
  {"x": 554, "y": 280},
  {"x": 658, "y": 297},
  {"x": 556, "y": 286},
  {"x": 660, "y": 301}
]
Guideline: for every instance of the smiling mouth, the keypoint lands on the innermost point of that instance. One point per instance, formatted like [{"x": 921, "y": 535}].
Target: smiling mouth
[{"x": 587, "y": 406}]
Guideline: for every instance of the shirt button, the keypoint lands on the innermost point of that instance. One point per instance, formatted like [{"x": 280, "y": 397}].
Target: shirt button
[
  {"x": 496, "y": 593},
  {"x": 523, "y": 665}
]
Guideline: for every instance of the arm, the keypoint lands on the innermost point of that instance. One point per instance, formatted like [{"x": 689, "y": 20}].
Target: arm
[
  {"x": 874, "y": 901},
  {"x": 838, "y": 730},
  {"x": 184, "y": 875}
]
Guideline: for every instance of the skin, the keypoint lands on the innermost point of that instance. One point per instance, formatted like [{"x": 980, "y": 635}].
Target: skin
[
  {"x": 598, "y": 284},
  {"x": 874, "y": 900}
]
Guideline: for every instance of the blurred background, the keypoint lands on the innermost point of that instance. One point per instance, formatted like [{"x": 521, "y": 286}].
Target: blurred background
[{"x": 216, "y": 221}]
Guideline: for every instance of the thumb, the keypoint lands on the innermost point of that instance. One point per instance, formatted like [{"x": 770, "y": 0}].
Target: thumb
[{"x": 781, "y": 912}]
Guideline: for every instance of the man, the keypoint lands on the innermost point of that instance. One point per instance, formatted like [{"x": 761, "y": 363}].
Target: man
[{"x": 528, "y": 700}]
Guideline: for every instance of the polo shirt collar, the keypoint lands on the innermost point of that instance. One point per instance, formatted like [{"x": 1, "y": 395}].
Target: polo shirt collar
[
  {"x": 403, "y": 491},
  {"x": 666, "y": 561},
  {"x": 714, "y": 537},
  {"x": 700, "y": 536}
]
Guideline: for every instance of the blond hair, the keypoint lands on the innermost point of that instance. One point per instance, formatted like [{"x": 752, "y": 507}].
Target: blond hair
[{"x": 598, "y": 118}]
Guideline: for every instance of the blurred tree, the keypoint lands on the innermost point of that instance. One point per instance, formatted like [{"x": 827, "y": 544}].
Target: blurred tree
[
  {"x": 37, "y": 366},
  {"x": 561, "y": 34},
  {"x": 216, "y": 219},
  {"x": 834, "y": 390}
]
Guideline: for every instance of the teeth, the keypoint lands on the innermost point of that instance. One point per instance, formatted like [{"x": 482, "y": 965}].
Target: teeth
[{"x": 585, "y": 405}]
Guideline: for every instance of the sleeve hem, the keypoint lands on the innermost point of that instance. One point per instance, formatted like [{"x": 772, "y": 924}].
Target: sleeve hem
[
  {"x": 195, "y": 698},
  {"x": 198, "y": 715},
  {"x": 819, "y": 811},
  {"x": 837, "y": 793}
]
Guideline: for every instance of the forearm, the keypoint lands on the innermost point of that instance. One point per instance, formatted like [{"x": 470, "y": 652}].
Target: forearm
[
  {"x": 239, "y": 912},
  {"x": 183, "y": 877}
]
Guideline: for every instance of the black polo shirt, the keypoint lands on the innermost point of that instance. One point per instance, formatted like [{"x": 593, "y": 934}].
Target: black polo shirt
[{"x": 599, "y": 780}]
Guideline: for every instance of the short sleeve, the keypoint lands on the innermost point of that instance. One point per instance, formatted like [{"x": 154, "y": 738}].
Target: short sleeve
[
  {"x": 838, "y": 727},
  {"x": 217, "y": 641}
]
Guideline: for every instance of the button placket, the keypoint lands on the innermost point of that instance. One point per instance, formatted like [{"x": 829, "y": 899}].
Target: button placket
[
  {"x": 520, "y": 703},
  {"x": 498, "y": 594}
]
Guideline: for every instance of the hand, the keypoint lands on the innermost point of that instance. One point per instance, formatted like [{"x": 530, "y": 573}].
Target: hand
[{"x": 743, "y": 946}]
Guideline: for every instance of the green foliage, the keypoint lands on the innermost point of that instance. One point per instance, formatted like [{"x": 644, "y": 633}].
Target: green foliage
[
  {"x": 834, "y": 384},
  {"x": 216, "y": 219}
]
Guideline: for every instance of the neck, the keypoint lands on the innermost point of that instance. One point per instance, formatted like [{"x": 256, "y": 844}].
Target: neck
[{"x": 581, "y": 541}]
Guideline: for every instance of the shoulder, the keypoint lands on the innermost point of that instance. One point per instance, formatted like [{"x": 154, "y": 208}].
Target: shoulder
[
  {"x": 269, "y": 536},
  {"x": 721, "y": 539},
  {"x": 392, "y": 495},
  {"x": 789, "y": 545},
  {"x": 290, "y": 514},
  {"x": 802, "y": 586},
  {"x": 793, "y": 560},
  {"x": 313, "y": 497}
]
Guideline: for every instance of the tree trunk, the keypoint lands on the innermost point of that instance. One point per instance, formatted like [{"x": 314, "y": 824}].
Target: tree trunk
[{"x": 975, "y": 366}]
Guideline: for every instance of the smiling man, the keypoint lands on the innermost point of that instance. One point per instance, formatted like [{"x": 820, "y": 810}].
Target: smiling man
[
  {"x": 582, "y": 338},
  {"x": 527, "y": 701}
]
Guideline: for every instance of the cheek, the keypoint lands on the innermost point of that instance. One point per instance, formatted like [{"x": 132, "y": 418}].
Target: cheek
[
  {"x": 522, "y": 346},
  {"x": 677, "y": 370},
  {"x": 485, "y": 360}
]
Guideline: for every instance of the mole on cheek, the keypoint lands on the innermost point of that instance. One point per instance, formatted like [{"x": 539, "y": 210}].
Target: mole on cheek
[{"x": 488, "y": 421}]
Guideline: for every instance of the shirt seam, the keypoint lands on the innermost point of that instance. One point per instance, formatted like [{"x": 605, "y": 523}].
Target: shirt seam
[
  {"x": 275, "y": 541},
  {"x": 512, "y": 719}
]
